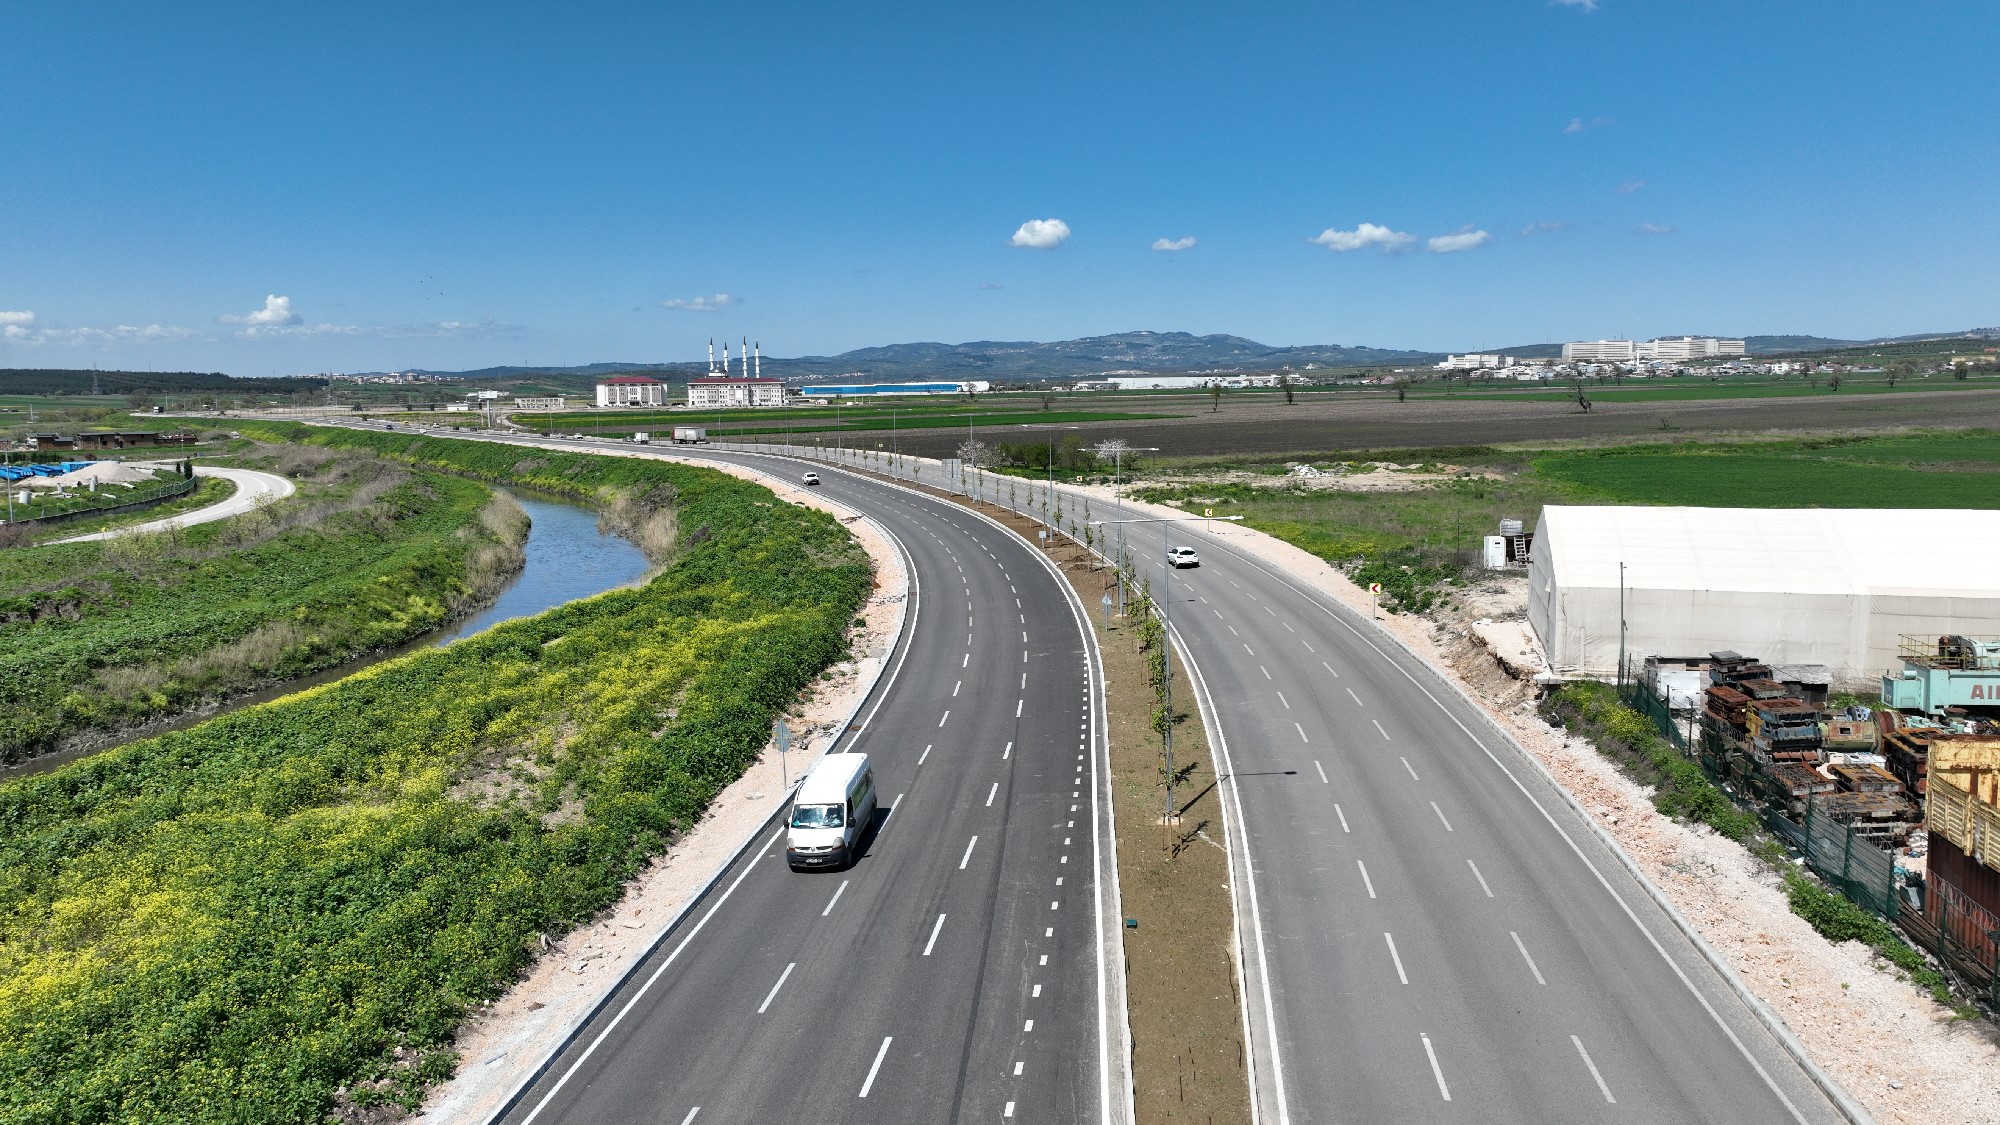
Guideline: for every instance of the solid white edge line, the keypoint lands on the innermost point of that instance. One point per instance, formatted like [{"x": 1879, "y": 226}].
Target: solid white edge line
[
  {"x": 869, "y": 1082},
  {"x": 1843, "y": 1102},
  {"x": 879, "y": 691},
  {"x": 773, "y": 994}
]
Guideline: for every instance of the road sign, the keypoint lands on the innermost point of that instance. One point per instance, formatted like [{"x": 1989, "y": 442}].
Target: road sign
[
  {"x": 1374, "y": 587},
  {"x": 1105, "y": 601},
  {"x": 783, "y": 734},
  {"x": 1208, "y": 511}
]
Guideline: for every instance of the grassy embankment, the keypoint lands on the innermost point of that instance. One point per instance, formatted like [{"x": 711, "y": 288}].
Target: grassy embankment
[
  {"x": 95, "y": 637},
  {"x": 289, "y": 909},
  {"x": 1682, "y": 791},
  {"x": 822, "y": 420},
  {"x": 1419, "y": 543},
  {"x": 207, "y": 491}
]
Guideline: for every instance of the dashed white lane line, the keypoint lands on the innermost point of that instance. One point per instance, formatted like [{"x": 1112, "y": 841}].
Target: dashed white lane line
[
  {"x": 1266, "y": 671},
  {"x": 926, "y": 753},
  {"x": 1355, "y": 698},
  {"x": 690, "y": 1116},
  {"x": 869, "y": 1082},
  {"x": 1020, "y": 703},
  {"x": 1008, "y": 752},
  {"x": 990, "y": 793},
  {"x": 1522, "y": 946},
  {"x": 1302, "y": 732},
  {"x": 1017, "y": 1068},
  {"x": 1436, "y": 1071},
  {"x": 947, "y": 716},
  {"x": 1288, "y": 626},
  {"x": 1329, "y": 668},
  {"x": 1024, "y": 681},
  {"x": 1246, "y": 648},
  {"x": 1009, "y": 1111},
  {"x": 1481, "y": 878},
  {"x": 1385, "y": 734},
  {"x": 1411, "y": 768},
  {"x": 934, "y": 935},
  {"x": 1343, "y": 819},
  {"x": 1322, "y": 772},
  {"x": 967, "y": 662},
  {"x": 1441, "y": 819},
  {"x": 1370, "y": 884},
  {"x": 1232, "y": 630},
  {"x": 1283, "y": 700},
  {"x": 838, "y": 891},
  {"x": 1216, "y": 612},
  {"x": 1310, "y": 648},
  {"x": 1269, "y": 610},
  {"x": 1396, "y": 957},
  {"x": 955, "y": 687},
  {"x": 1602, "y": 1088},
  {"x": 782, "y": 977},
  {"x": 967, "y": 857}
]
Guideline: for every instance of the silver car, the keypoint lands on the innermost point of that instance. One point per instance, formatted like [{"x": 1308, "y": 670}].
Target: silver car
[{"x": 1178, "y": 557}]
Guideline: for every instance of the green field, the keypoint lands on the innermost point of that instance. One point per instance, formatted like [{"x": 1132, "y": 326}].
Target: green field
[
  {"x": 814, "y": 421},
  {"x": 237, "y": 922},
  {"x": 97, "y": 636},
  {"x": 1419, "y": 544}
]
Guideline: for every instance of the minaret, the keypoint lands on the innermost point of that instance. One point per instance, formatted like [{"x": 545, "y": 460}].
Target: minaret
[
  {"x": 725, "y": 358},
  {"x": 711, "y": 355},
  {"x": 744, "y": 354},
  {"x": 760, "y": 359}
]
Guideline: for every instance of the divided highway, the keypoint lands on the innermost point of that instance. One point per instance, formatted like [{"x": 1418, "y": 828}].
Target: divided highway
[
  {"x": 1436, "y": 934},
  {"x": 956, "y": 972}
]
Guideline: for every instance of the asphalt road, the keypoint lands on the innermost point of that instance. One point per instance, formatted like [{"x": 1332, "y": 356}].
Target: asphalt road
[
  {"x": 1436, "y": 934},
  {"x": 252, "y": 488},
  {"x": 955, "y": 973}
]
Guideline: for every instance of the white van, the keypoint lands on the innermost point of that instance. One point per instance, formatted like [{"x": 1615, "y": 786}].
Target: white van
[{"x": 834, "y": 804}]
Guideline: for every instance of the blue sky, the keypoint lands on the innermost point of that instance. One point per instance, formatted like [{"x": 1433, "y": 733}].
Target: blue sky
[{"x": 285, "y": 188}]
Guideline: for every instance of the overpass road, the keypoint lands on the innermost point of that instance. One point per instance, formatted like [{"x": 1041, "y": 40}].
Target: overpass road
[
  {"x": 1437, "y": 934},
  {"x": 956, "y": 972}
]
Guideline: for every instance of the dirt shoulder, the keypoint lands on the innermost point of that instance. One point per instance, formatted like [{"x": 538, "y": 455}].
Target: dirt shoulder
[
  {"x": 1905, "y": 1058},
  {"x": 505, "y": 1042}
]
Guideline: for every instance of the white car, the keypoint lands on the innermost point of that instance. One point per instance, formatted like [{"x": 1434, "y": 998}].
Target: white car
[
  {"x": 811, "y": 478},
  {"x": 1178, "y": 557}
]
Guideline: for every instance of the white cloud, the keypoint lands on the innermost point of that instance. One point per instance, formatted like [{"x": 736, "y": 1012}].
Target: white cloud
[
  {"x": 1654, "y": 228},
  {"x": 1582, "y": 5},
  {"x": 1630, "y": 186},
  {"x": 17, "y": 319},
  {"x": 992, "y": 285},
  {"x": 77, "y": 337},
  {"x": 1543, "y": 227},
  {"x": 701, "y": 304},
  {"x": 1367, "y": 234},
  {"x": 1467, "y": 239},
  {"x": 1578, "y": 124},
  {"x": 1173, "y": 243},
  {"x": 277, "y": 312},
  {"x": 1041, "y": 234}
]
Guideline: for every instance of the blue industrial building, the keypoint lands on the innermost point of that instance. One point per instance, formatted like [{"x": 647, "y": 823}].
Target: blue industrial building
[{"x": 852, "y": 390}]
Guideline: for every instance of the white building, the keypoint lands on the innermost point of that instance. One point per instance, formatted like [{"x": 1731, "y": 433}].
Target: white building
[
  {"x": 712, "y": 391},
  {"x": 631, "y": 390},
  {"x": 542, "y": 402},
  {"x": 1687, "y": 347},
  {"x": 1474, "y": 362},
  {"x": 1599, "y": 351},
  {"x": 1787, "y": 585}
]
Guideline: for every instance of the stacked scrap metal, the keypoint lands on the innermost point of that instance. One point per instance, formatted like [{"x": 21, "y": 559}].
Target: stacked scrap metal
[
  {"x": 1906, "y": 751},
  {"x": 1790, "y": 785},
  {"x": 1784, "y": 729}
]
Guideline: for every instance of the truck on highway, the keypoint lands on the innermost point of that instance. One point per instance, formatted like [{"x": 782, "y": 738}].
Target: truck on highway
[
  {"x": 690, "y": 435},
  {"x": 834, "y": 804},
  {"x": 641, "y": 438}
]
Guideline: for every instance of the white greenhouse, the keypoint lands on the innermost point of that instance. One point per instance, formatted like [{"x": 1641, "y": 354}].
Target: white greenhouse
[{"x": 1837, "y": 587}]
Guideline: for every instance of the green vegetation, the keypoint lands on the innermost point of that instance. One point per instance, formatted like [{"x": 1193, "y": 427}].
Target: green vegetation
[
  {"x": 99, "y": 636},
  {"x": 207, "y": 491},
  {"x": 1419, "y": 542},
  {"x": 1683, "y": 791},
  {"x": 814, "y": 420},
  {"x": 289, "y": 909}
]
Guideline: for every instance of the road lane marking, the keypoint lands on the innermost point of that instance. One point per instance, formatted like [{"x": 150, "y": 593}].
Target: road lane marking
[
  {"x": 1216, "y": 612},
  {"x": 1396, "y": 957},
  {"x": 1017, "y": 1068},
  {"x": 990, "y": 794},
  {"x": 1343, "y": 819},
  {"x": 947, "y": 716},
  {"x": 1009, "y": 1111},
  {"x": 1020, "y": 703},
  {"x": 1246, "y": 648},
  {"x": 1302, "y": 732},
  {"x": 1378, "y": 726},
  {"x": 1370, "y": 884},
  {"x": 1518, "y": 944},
  {"x": 1602, "y": 1088},
  {"x": 1355, "y": 698},
  {"x": 782, "y": 977},
  {"x": 1322, "y": 773},
  {"x": 955, "y": 687},
  {"x": 1412, "y": 769},
  {"x": 690, "y": 1116},
  {"x": 1008, "y": 752},
  {"x": 1232, "y": 630},
  {"x": 1310, "y": 648},
  {"x": 869, "y": 1083},
  {"x": 1030, "y": 1027},
  {"x": 934, "y": 934},
  {"x": 1441, "y": 819},
  {"x": 1267, "y": 609},
  {"x": 1283, "y": 700},
  {"x": 1288, "y": 626},
  {"x": 967, "y": 662},
  {"x": 1329, "y": 668},
  {"x": 1266, "y": 671},
  {"x": 1436, "y": 1072},
  {"x": 926, "y": 753},
  {"x": 1036, "y": 994},
  {"x": 841, "y": 890},
  {"x": 967, "y": 857},
  {"x": 1024, "y": 681},
  {"x": 1481, "y": 878},
  {"x": 897, "y": 804}
]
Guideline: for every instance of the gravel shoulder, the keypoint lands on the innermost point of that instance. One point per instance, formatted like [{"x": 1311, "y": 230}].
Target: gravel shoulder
[
  {"x": 503, "y": 1044},
  {"x": 1895, "y": 1050}
]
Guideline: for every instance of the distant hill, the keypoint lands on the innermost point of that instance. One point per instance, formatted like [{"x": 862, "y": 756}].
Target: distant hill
[
  {"x": 1767, "y": 345},
  {"x": 30, "y": 381}
]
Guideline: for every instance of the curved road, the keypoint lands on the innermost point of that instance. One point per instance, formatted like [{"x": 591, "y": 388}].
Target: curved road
[
  {"x": 252, "y": 488},
  {"x": 958, "y": 971}
]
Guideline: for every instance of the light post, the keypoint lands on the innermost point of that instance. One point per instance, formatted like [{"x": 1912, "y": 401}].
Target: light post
[
  {"x": 1167, "y": 819},
  {"x": 1117, "y": 449}
]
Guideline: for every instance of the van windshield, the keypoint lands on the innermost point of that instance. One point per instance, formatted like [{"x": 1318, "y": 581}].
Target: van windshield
[{"x": 817, "y": 816}]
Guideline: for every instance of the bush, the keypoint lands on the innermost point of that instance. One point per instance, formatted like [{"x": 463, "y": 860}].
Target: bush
[{"x": 1680, "y": 788}]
